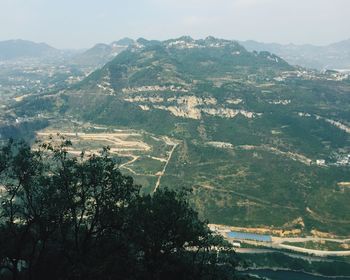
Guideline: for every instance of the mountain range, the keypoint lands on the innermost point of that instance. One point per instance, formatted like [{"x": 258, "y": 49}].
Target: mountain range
[
  {"x": 260, "y": 143},
  {"x": 97, "y": 56},
  {"x": 333, "y": 56}
]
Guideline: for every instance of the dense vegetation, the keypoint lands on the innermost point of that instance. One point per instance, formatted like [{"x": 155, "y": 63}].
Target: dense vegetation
[
  {"x": 80, "y": 218},
  {"x": 25, "y": 130}
]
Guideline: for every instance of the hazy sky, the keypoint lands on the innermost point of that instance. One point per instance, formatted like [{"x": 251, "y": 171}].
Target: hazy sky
[{"x": 82, "y": 23}]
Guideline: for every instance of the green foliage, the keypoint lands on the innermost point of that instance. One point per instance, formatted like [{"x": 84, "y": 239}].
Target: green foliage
[
  {"x": 80, "y": 218},
  {"x": 25, "y": 130}
]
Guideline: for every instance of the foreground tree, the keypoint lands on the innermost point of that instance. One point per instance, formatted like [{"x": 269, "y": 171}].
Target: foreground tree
[{"x": 63, "y": 217}]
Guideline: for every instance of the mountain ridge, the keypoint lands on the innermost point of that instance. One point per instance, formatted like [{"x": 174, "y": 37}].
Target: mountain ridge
[
  {"x": 333, "y": 56},
  {"x": 184, "y": 55},
  {"x": 101, "y": 53},
  {"x": 14, "y": 49}
]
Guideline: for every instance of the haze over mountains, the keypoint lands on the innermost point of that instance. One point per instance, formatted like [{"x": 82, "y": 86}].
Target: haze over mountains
[
  {"x": 333, "y": 56},
  {"x": 100, "y": 54},
  {"x": 17, "y": 49},
  {"x": 97, "y": 56}
]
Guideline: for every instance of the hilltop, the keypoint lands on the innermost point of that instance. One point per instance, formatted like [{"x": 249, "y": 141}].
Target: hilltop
[
  {"x": 183, "y": 60},
  {"x": 101, "y": 53}
]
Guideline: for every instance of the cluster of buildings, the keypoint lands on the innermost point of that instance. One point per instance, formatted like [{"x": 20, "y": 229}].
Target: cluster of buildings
[
  {"x": 312, "y": 75},
  {"x": 339, "y": 160},
  {"x": 343, "y": 160},
  {"x": 237, "y": 238},
  {"x": 26, "y": 77}
]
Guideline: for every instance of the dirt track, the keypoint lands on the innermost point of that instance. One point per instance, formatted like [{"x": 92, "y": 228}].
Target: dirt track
[
  {"x": 123, "y": 143},
  {"x": 165, "y": 166}
]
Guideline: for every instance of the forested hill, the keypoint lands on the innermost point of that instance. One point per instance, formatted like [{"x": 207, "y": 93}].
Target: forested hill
[{"x": 183, "y": 60}]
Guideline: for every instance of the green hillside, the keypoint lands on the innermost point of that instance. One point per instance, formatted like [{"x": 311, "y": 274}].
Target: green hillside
[
  {"x": 260, "y": 142},
  {"x": 183, "y": 60}
]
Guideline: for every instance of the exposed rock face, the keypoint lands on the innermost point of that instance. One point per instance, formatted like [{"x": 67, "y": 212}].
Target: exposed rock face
[{"x": 190, "y": 107}]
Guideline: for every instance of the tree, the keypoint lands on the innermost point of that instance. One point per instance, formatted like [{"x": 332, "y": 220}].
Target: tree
[
  {"x": 65, "y": 217},
  {"x": 174, "y": 242}
]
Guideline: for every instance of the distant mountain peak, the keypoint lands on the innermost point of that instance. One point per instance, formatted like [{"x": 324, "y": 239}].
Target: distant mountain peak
[
  {"x": 333, "y": 56},
  {"x": 186, "y": 38},
  {"x": 123, "y": 42},
  {"x": 212, "y": 39},
  {"x": 101, "y": 53},
  {"x": 18, "y": 48},
  {"x": 101, "y": 46}
]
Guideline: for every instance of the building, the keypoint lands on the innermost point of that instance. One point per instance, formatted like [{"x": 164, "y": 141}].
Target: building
[{"x": 321, "y": 162}]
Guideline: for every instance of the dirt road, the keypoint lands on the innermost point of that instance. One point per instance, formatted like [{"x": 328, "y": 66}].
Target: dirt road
[{"x": 161, "y": 174}]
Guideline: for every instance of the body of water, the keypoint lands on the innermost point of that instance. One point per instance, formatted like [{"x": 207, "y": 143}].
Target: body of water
[{"x": 249, "y": 236}]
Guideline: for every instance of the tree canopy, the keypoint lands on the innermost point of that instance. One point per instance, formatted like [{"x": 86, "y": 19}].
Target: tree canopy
[{"x": 65, "y": 217}]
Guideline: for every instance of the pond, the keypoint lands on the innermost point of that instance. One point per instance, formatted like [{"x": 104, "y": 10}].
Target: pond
[{"x": 249, "y": 236}]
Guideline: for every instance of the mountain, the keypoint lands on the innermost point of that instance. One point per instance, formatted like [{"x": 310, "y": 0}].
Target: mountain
[
  {"x": 259, "y": 142},
  {"x": 15, "y": 49},
  {"x": 123, "y": 42},
  {"x": 100, "y": 54},
  {"x": 333, "y": 56},
  {"x": 182, "y": 61}
]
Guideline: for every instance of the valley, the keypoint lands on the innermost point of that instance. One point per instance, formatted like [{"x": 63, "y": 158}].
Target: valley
[
  {"x": 176, "y": 140},
  {"x": 260, "y": 144}
]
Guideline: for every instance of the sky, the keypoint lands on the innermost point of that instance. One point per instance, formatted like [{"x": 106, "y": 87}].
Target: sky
[{"x": 83, "y": 23}]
